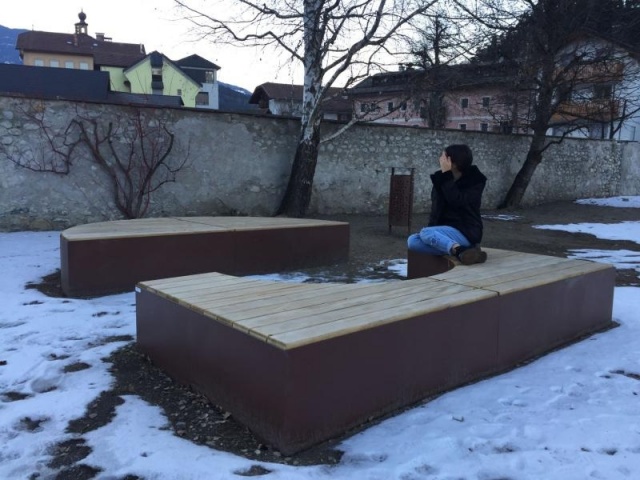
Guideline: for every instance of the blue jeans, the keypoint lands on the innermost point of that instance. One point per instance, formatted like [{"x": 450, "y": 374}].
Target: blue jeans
[{"x": 437, "y": 240}]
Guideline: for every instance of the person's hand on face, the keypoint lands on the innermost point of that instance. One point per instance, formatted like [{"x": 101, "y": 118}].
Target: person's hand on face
[{"x": 445, "y": 162}]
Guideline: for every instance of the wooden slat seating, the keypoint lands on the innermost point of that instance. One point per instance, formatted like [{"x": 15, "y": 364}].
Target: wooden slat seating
[
  {"x": 301, "y": 363},
  {"x": 109, "y": 257}
]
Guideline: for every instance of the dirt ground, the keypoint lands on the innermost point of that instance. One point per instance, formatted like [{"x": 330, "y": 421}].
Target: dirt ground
[
  {"x": 371, "y": 241},
  {"x": 192, "y": 417}
]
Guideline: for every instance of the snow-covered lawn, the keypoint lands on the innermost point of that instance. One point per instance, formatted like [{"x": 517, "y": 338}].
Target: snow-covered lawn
[{"x": 573, "y": 414}]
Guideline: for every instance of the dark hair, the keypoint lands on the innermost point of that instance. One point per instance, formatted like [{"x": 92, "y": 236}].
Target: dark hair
[{"x": 460, "y": 155}]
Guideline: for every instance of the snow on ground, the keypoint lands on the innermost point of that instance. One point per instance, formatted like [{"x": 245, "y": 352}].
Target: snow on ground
[
  {"x": 627, "y": 202},
  {"x": 621, "y": 259},
  {"x": 573, "y": 414},
  {"x": 617, "y": 231},
  {"x": 502, "y": 216}
]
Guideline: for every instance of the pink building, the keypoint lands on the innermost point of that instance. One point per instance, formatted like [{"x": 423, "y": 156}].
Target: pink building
[{"x": 464, "y": 97}]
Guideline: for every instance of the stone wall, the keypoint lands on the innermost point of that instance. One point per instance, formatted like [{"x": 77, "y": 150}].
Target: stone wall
[{"x": 238, "y": 164}]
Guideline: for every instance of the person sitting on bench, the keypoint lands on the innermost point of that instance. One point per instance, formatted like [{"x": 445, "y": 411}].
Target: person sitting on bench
[{"x": 455, "y": 224}]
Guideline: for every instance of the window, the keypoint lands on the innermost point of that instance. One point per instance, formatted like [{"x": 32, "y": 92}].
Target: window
[
  {"x": 54, "y": 63},
  {"x": 403, "y": 106},
  {"x": 202, "y": 98},
  {"x": 463, "y": 126},
  {"x": 389, "y": 106},
  {"x": 38, "y": 62},
  {"x": 464, "y": 102},
  {"x": 179, "y": 92},
  {"x": 485, "y": 101},
  {"x": 484, "y": 127},
  {"x": 506, "y": 127},
  {"x": 602, "y": 91},
  {"x": 68, "y": 65},
  {"x": 84, "y": 66},
  {"x": 369, "y": 107}
]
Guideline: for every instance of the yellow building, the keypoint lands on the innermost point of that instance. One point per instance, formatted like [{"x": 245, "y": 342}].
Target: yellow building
[
  {"x": 130, "y": 69},
  {"x": 155, "y": 74}
]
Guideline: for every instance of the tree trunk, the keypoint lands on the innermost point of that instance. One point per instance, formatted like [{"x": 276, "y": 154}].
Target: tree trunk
[
  {"x": 523, "y": 178},
  {"x": 298, "y": 194}
]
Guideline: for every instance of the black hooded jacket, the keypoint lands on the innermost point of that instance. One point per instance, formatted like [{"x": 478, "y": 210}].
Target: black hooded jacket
[{"x": 456, "y": 203}]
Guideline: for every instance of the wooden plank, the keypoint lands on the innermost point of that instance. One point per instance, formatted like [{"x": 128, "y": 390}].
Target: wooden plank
[
  {"x": 195, "y": 289},
  {"x": 187, "y": 286},
  {"x": 145, "y": 227},
  {"x": 497, "y": 267},
  {"x": 372, "y": 319},
  {"x": 297, "y": 306},
  {"x": 260, "y": 223},
  {"x": 238, "y": 296},
  {"x": 541, "y": 279},
  {"x": 277, "y": 300},
  {"x": 194, "y": 279},
  {"x": 339, "y": 308},
  {"x": 149, "y": 227},
  {"x": 536, "y": 274},
  {"x": 480, "y": 277}
]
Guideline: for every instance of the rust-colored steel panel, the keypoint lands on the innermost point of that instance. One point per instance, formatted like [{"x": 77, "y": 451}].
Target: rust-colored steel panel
[
  {"x": 422, "y": 265},
  {"x": 296, "y": 398},
  {"x": 101, "y": 266},
  {"x": 401, "y": 198},
  {"x": 536, "y": 320}
]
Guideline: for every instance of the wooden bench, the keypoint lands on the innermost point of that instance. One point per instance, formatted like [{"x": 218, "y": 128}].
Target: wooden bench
[
  {"x": 108, "y": 257},
  {"x": 302, "y": 363}
]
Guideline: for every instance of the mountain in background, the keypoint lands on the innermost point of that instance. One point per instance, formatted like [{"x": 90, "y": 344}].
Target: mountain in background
[
  {"x": 234, "y": 99},
  {"x": 231, "y": 98},
  {"x": 8, "y": 52}
]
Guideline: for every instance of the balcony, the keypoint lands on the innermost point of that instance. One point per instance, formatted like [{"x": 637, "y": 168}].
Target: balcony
[{"x": 596, "y": 110}]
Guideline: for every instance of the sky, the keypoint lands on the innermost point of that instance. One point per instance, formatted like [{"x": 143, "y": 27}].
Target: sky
[
  {"x": 573, "y": 414},
  {"x": 156, "y": 24}
]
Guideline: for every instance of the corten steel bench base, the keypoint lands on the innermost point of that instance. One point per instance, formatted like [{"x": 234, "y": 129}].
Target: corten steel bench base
[
  {"x": 301, "y": 363},
  {"x": 423, "y": 265},
  {"x": 110, "y": 257}
]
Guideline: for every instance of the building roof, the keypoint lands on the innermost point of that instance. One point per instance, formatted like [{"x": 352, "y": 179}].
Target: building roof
[
  {"x": 334, "y": 102},
  {"x": 71, "y": 84},
  {"x": 196, "y": 61},
  {"x": 451, "y": 77},
  {"x": 54, "y": 83},
  {"x": 196, "y": 67},
  {"x": 104, "y": 52}
]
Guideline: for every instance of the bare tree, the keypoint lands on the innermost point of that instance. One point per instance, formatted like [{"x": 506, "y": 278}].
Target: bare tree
[
  {"x": 55, "y": 150},
  {"x": 135, "y": 149},
  {"x": 567, "y": 67},
  {"x": 445, "y": 39},
  {"x": 334, "y": 40}
]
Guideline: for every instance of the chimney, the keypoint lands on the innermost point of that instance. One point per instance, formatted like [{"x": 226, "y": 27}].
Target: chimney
[{"x": 100, "y": 36}]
